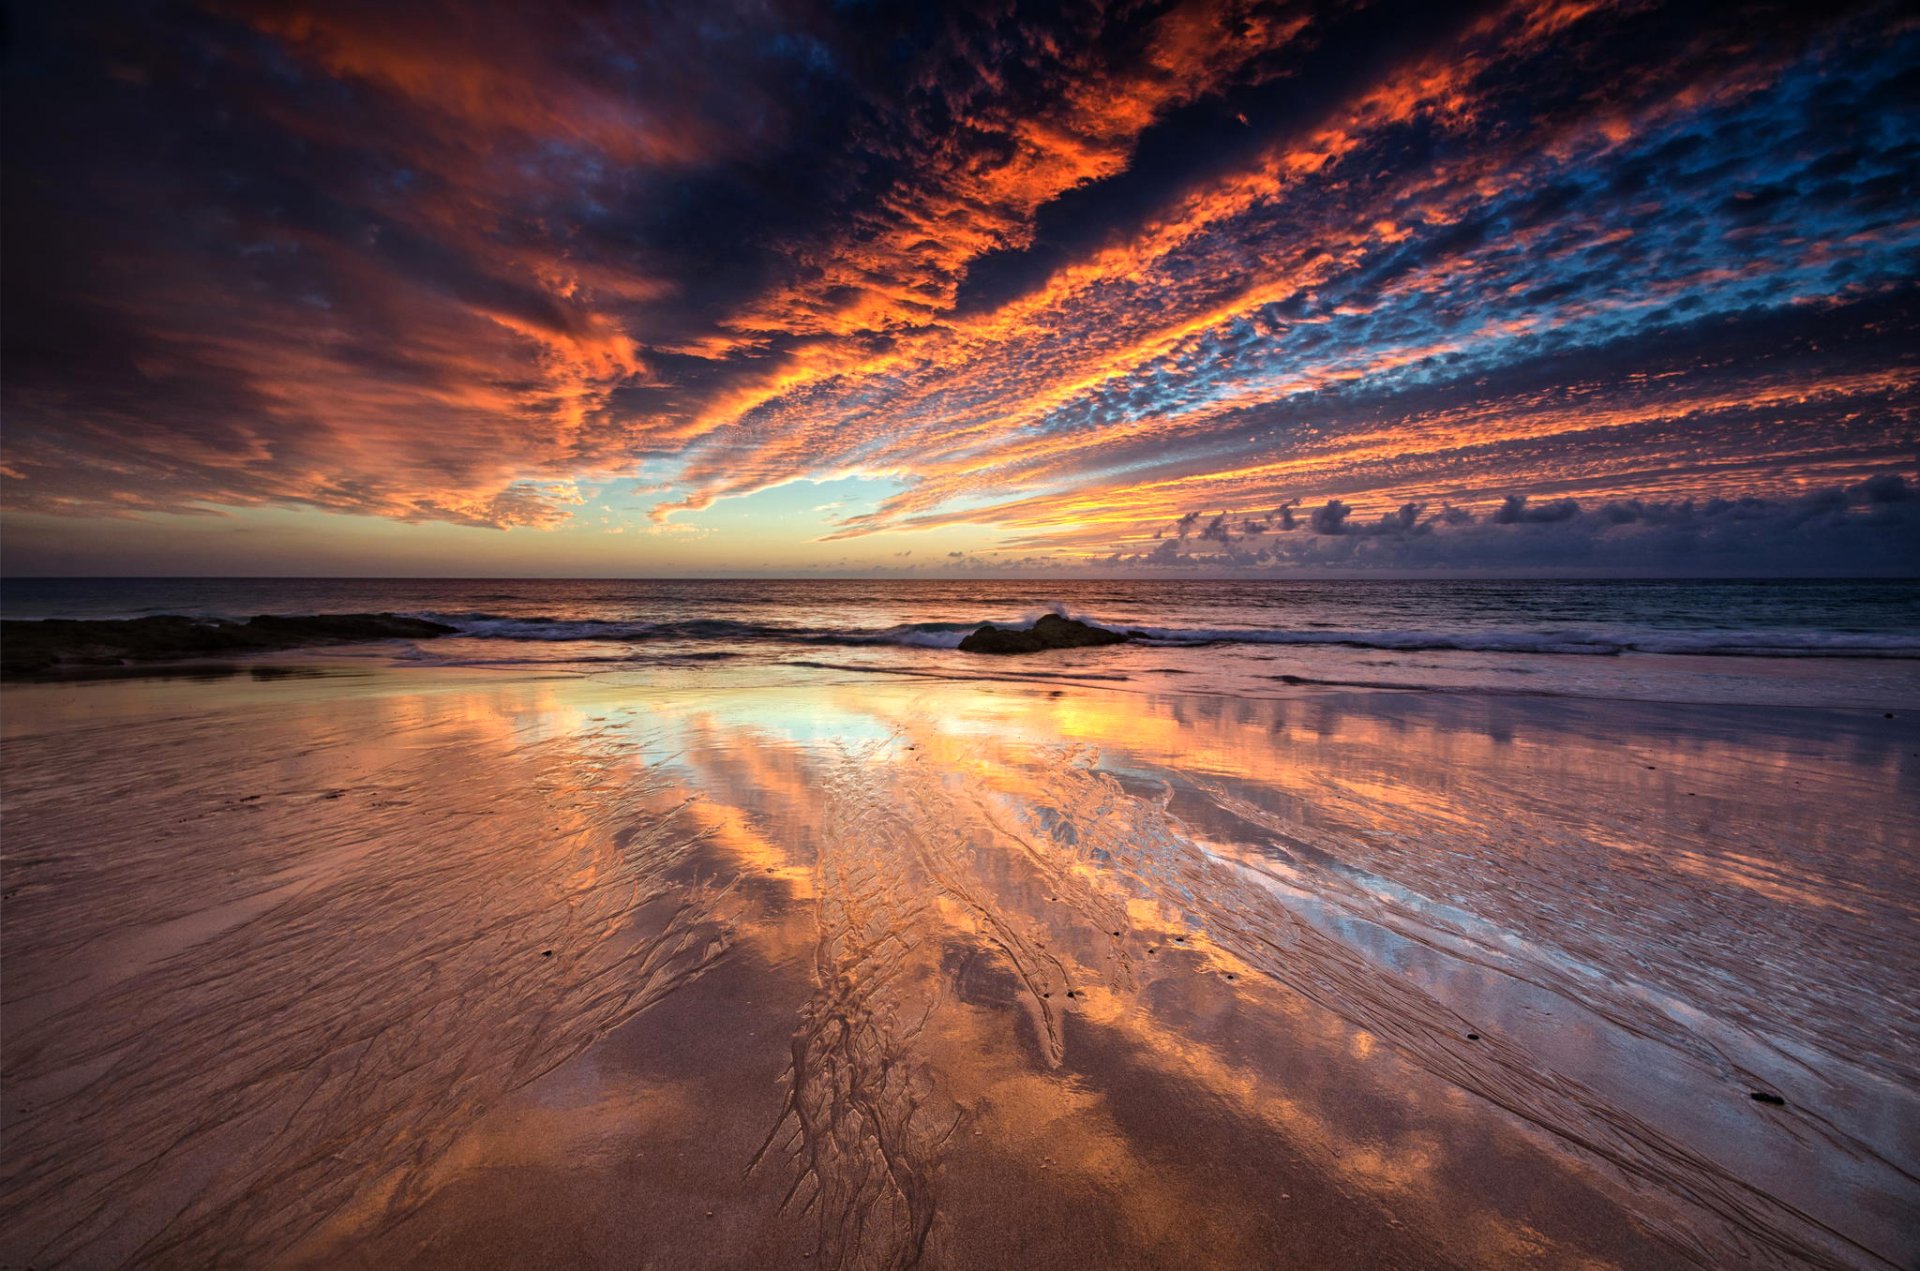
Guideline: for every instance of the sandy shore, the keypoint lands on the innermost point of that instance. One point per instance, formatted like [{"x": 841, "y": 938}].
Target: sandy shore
[{"x": 439, "y": 967}]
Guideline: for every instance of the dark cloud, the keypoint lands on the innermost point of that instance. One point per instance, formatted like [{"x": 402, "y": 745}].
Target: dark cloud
[
  {"x": 1873, "y": 526},
  {"x": 1513, "y": 510},
  {"x": 469, "y": 263},
  {"x": 1887, "y": 487},
  {"x": 1330, "y": 519}
]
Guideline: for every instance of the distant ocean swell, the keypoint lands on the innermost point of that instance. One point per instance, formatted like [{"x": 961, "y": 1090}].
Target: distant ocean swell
[{"x": 948, "y": 635}]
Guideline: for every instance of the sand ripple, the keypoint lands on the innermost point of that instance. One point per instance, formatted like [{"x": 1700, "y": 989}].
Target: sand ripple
[{"x": 292, "y": 1047}]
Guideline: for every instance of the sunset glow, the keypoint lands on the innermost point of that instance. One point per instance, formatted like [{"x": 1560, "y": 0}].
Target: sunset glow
[
  {"x": 1203, "y": 286},
  {"x": 878, "y": 635}
]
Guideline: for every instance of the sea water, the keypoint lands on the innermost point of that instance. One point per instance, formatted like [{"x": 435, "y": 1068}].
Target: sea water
[{"x": 1808, "y": 642}]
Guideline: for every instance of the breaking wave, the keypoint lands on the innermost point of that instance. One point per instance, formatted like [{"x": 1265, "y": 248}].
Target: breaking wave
[{"x": 948, "y": 635}]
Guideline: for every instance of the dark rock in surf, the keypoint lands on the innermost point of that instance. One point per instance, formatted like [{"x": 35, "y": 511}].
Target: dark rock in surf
[
  {"x": 61, "y": 646},
  {"x": 1051, "y": 632}
]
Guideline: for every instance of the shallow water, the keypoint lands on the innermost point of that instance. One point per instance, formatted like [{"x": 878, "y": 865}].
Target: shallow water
[{"x": 719, "y": 964}]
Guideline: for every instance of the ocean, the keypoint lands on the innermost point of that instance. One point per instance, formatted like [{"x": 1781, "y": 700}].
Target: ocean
[{"x": 1804, "y": 642}]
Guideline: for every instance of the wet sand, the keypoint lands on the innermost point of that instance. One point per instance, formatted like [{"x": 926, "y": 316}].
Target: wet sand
[{"x": 455, "y": 968}]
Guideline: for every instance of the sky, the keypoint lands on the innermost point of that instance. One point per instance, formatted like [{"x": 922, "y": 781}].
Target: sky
[{"x": 1161, "y": 288}]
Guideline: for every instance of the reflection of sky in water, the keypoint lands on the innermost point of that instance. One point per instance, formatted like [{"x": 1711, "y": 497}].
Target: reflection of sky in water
[
  {"x": 1286, "y": 915},
  {"x": 1558, "y": 872}
]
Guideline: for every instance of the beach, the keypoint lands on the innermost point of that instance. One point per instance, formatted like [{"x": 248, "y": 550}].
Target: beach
[
  {"x": 1120, "y": 957},
  {"x": 1206, "y": 634}
]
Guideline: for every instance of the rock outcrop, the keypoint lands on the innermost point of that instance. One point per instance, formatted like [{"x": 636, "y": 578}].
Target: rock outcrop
[
  {"x": 1051, "y": 632},
  {"x": 59, "y": 646}
]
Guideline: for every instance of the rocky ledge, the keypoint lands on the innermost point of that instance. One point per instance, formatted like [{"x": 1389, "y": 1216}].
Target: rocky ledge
[
  {"x": 1051, "y": 632},
  {"x": 60, "y": 646}
]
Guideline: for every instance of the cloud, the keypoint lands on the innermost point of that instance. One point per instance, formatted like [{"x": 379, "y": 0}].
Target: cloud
[
  {"x": 1872, "y": 525},
  {"x": 1330, "y": 519},
  {"x": 1058, "y": 276},
  {"x": 1513, "y": 510},
  {"x": 1886, "y": 487}
]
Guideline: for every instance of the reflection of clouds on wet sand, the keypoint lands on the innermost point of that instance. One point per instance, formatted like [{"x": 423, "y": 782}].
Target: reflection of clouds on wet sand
[
  {"x": 264, "y": 966},
  {"x": 1008, "y": 975},
  {"x": 1447, "y": 876}
]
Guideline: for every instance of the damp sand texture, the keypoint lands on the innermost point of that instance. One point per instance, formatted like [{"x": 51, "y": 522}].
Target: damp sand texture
[{"x": 447, "y": 968}]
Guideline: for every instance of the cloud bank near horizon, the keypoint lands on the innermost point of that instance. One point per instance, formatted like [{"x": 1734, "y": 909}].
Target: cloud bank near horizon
[
  {"x": 1873, "y": 527},
  {"x": 1565, "y": 283}
]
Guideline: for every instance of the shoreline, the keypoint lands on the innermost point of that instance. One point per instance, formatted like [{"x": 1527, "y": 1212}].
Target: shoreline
[
  {"x": 1258, "y": 671},
  {"x": 672, "y": 676}
]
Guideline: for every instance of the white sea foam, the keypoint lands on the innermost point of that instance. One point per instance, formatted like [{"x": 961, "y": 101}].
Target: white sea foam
[{"x": 1602, "y": 642}]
